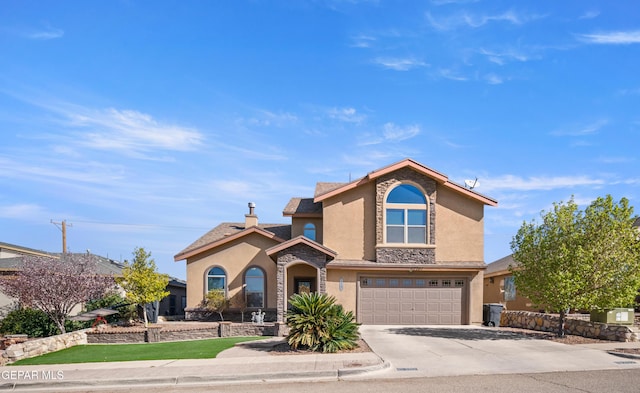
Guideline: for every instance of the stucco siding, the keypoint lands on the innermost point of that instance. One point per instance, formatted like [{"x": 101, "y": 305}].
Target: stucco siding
[
  {"x": 350, "y": 223},
  {"x": 234, "y": 257},
  {"x": 348, "y": 295},
  {"x": 297, "y": 227},
  {"x": 493, "y": 293},
  {"x": 459, "y": 228}
]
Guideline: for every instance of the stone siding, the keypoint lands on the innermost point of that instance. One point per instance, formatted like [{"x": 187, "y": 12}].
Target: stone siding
[
  {"x": 295, "y": 253},
  {"x": 40, "y": 346},
  {"x": 405, "y": 255},
  {"x": 576, "y": 326},
  {"x": 163, "y": 334}
]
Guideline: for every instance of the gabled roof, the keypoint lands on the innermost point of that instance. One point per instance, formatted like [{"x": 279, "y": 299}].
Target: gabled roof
[
  {"x": 23, "y": 250},
  {"x": 229, "y": 231},
  {"x": 302, "y": 207},
  {"x": 301, "y": 240},
  {"x": 104, "y": 265},
  {"x": 406, "y": 163},
  {"x": 501, "y": 266}
]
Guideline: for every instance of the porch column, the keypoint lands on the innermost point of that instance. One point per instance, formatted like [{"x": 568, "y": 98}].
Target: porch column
[
  {"x": 322, "y": 280},
  {"x": 281, "y": 290}
]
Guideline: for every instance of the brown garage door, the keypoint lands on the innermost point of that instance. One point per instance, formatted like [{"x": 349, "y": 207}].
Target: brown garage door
[{"x": 410, "y": 301}]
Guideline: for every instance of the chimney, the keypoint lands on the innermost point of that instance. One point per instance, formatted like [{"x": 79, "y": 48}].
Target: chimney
[{"x": 251, "y": 219}]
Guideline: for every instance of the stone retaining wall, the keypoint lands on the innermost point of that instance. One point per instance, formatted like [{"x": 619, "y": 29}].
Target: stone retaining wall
[
  {"x": 182, "y": 333},
  {"x": 40, "y": 346},
  {"x": 579, "y": 327}
]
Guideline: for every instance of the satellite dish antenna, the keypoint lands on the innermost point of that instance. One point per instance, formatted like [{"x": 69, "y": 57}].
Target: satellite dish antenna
[{"x": 471, "y": 184}]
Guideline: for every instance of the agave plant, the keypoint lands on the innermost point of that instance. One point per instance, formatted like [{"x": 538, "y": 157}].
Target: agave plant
[{"x": 317, "y": 323}]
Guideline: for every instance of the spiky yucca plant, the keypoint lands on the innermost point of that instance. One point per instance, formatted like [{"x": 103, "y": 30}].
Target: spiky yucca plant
[{"x": 317, "y": 323}]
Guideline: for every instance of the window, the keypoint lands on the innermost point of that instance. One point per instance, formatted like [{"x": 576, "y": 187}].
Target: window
[
  {"x": 310, "y": 231},
  {"x": 216, "y": 279},
  {"x": 254, "y": 289},
  {"x": 406, "y": 215}
]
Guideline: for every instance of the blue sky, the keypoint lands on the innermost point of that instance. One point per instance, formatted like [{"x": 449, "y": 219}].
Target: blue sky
[{"x": 148, "y": 123}]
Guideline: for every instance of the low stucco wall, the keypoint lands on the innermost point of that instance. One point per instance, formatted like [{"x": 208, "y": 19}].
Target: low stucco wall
[
  {"x": 579, "y": 327},
  {"x": 40, "y": 346}
]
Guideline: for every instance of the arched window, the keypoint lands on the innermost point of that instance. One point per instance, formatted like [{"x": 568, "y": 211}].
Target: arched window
[
  {"x": 216, "y": 279},
  {"x": 254, "y": 287},
  {"x": 406, "y": 215},
  {"x": 310, "y": 231}
]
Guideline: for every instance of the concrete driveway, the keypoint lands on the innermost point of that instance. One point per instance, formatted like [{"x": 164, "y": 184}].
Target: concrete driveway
[{"x": 419, "y": 351}]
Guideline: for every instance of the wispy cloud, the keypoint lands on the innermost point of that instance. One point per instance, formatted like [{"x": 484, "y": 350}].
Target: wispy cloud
[
  {"x": 444, "y": 2},
  {"x": 493, "y": 79},
  {"x": 612, "y": 38},
  {"x": 267, "y": 118},
  {"x": 451, "y": 74},
  {"x": 504, "y": 57},
  {"x": 45, "y": 34},
  {"x": 349, "y": 115},
  {"x": 545, "y": 183},
  {"x": 581, "y": 130},
  {"x": 615, "y": 159},
  {"x": 390, "y": 133},
  {"x": 469, "y": 20},
  {"x": 590, "y": 14},
  {"x": 130, "y": 131},
  {"x": 363, "y": 41},
  {"x": 400, "y": 64},
  {"x": 22, "y": 211}
]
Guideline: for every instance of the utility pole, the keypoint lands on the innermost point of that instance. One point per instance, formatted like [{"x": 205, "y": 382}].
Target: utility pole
[{"x": 63, "y": 228}]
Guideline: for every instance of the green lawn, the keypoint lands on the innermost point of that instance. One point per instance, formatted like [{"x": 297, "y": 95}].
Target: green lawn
[{"x": 197, "y": 349}]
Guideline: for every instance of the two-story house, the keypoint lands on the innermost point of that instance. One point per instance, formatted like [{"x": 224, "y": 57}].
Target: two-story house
[{"x": 402, "y": 245}]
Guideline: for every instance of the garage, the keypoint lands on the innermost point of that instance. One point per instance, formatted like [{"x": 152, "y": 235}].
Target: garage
[{"x": 410, "y": 301}]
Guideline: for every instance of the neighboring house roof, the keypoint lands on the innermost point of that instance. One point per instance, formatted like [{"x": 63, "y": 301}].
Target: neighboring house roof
[
  {"x": 636, "y": 223},
  {"x": 176, "y": 282},
  {"x": 300, "y": 240},
  {"x": 23, "y": 250},
  {"x": 303, "y": 207},
  {"x": 501, "y": 266},
  {"x": 104, "y": 265},
  {"x": 327, "y": 192},
  {"x": 228, "y": 231}
]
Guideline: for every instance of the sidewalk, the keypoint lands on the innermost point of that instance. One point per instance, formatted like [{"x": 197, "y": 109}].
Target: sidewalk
[{"x": 246, "y": 362}]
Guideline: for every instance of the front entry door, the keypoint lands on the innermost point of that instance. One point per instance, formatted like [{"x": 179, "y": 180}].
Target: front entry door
[{"x": 305, "y": 285}]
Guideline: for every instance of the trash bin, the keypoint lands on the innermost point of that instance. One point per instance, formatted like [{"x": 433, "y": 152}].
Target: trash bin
[{"x": 491, "y": 314}]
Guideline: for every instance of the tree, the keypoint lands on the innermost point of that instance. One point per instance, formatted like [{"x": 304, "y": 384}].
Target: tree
[
  {"x": 57, "y": 285},
  {"x": 216, "y": 301},
  {"x": 579, "y": 259},
  {"x": 141, "y": 281}
]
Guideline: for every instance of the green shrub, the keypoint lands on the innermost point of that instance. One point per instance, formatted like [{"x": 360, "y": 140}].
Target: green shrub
[
  {"x": 29, "y": 321},
  {"x": 317, "y": 323}
]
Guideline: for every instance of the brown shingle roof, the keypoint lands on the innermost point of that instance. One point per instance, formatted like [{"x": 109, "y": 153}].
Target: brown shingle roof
[
  {"x": 283, "y": 231},
  {"x": 323, "y": 188},
  {"x": 302, "y": 206}
]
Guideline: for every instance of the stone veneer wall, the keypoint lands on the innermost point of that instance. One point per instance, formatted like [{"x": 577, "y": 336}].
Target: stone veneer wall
[
  {"x": 405, "y": 255},
  {"x": 295, "y": 253},
  {"x": 578, "y": 327},
  {"x": 40, "y": 346},
  {"x": 162, "y": 334}
]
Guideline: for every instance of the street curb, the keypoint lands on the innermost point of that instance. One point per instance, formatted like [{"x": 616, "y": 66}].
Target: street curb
[{"x": 192, "y": 380}]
